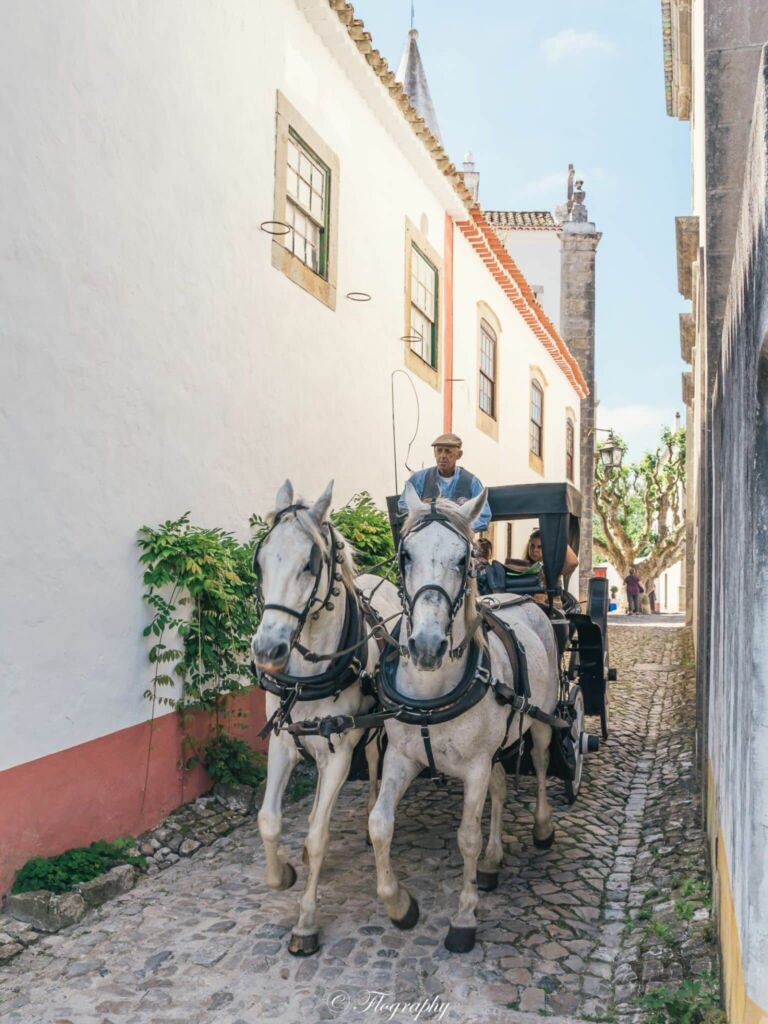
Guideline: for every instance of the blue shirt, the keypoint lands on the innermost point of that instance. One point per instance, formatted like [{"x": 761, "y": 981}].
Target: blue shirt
[{"x": 447, "y": 485}]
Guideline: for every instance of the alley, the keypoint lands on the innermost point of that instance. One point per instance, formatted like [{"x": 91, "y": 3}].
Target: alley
[{"x": 572, "y": 932}]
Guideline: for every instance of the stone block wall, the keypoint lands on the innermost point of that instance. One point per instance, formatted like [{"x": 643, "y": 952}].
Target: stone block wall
[{"x": 737, "y": 725}]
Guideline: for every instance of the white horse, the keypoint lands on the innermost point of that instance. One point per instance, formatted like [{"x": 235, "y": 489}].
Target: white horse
[
  {"x": 311, "y": 604},
  {"x": 440, "y": 602}
]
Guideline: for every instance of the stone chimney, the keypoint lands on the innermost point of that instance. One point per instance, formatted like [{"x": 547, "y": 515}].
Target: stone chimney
[
  {"x": 471, "y": 176},
  {"x": 578, "y": 246}
]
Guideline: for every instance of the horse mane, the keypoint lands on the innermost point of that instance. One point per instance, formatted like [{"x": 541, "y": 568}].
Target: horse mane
[
  {"x": 452, "y": 512},
  {"x": 309, "y": 525}
]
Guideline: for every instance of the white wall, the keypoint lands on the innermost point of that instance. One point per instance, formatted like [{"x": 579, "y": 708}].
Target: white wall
[
  {"x": 537, "y": 253},
  {"x": 153, "y": 360}
]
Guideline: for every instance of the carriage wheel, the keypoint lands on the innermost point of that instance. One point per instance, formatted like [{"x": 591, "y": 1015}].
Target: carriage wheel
[{"x": 576, "y": 702}]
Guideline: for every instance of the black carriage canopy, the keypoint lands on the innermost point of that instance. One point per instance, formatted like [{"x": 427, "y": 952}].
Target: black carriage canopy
[{"x": 556, "y": 506}]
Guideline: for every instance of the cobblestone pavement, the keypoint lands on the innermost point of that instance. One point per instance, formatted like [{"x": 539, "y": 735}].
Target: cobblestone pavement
[{"x": 566, "y": 931}]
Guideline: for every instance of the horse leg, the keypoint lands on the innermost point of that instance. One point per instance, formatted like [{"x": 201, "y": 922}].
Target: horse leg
[
  {"x": 543, "y": 829},
  {"x": 281, "y": 760},
  {"x": 398, "y": 773},
  {"x": 488, "y": 871},
  {"x": 372, "y": 760},
  {"x": 461, "y": 934},
  {"x": 304, "y": 854},
  {"x": 332, "y": 774}
]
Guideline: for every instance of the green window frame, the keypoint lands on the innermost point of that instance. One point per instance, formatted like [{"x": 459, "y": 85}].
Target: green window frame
[
  {"x": 307, "y": 205},
  {"x": 424, "y": 306}
]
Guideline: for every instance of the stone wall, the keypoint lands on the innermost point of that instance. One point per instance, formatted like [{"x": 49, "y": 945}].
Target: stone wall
[
  {"x": 577, "y": 326},
  {"x": 737, "y": 743}
]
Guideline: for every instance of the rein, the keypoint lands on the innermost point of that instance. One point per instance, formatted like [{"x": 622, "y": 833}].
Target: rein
[
  {"x": 455, "y": 603},
  {"x": 346, "y": 667}
]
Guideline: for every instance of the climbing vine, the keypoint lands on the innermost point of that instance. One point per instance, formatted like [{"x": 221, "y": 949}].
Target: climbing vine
[{"x": 199, "y": 586}]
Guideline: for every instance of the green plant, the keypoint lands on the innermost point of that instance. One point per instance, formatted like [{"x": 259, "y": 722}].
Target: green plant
[
  {"x": 659, "y": 930},
  {"x": 644, "y": 914},
  {"x": 233, "y": 762},
  {"x": 367, "y": 529},
  {"x": 60, "y": 873},
  {"x": 684, "y": 909},
  {"x": 199, "y": 586},
  {"x": 651, "y": 894},
  {"x": 693, "y": 1002}
]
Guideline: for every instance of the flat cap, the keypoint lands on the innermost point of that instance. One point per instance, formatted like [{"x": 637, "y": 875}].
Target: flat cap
[{"x": 447, "y": 441}]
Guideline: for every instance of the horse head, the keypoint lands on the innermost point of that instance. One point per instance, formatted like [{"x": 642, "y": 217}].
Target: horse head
[
  {"x": 435, "y": 561},
  {"x": 294, "y": 564}
]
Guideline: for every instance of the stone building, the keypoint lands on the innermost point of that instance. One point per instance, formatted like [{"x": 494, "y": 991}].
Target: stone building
[
  {"x": 218, "y": 272},
  {"x": 557, "y": 253},
  {"x": 716, "y": 78}
]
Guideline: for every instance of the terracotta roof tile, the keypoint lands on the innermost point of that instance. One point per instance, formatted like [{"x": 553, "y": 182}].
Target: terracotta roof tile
[{"x": 525, "y": 220}]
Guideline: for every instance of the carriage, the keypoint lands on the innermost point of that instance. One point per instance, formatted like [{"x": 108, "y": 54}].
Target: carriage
[
  {"x": 581, "y": 633},
  {"x": 302, "y": 566}
]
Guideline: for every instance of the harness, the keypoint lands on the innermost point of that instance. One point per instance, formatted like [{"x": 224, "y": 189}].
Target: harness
[
  {"x": 348, "y": 664},
  {"x": 476, "y": 678},
  {"x": 454, "y": 603}
]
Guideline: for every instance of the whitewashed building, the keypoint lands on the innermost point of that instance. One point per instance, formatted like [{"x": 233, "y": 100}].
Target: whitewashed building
[{"x": 219, "y": 224}]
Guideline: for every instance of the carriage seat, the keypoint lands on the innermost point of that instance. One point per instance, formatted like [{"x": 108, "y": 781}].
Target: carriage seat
[{"x": 499, "y": 579}]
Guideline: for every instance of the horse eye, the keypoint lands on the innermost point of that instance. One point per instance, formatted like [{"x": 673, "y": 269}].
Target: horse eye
[{"x": 406, "y": 557}]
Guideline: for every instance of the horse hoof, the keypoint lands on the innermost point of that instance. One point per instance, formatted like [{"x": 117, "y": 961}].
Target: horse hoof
[
  {"x": 304, "y": 945},
  {"x": 460, "y": 940},
  {"x": 410, "y": 919},
  {"x": 289, "y": 877},
  {"x": 544, "y": 844},
  {"x": 304, "y": 857},
  {"x": 487, "y": 881}
]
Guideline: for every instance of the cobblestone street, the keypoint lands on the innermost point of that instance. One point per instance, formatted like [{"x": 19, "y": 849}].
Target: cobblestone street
[{"x": 570, "y": 932}]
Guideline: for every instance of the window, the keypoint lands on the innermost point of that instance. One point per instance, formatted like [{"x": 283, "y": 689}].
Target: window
[
  {"x": 423, "y": 307},
  {"x": 305, "y": 242},
  {"x": 570, "y": 439},
  {"x": 487, "y": 369},
  {"x": 537, "y": 420},
  {"x": 422, "y": 334},
  {"x": 306, "y": 207}
]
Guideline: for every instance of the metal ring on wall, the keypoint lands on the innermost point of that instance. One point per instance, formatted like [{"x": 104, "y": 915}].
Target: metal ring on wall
[
  {"x": 359, "y": 296},
  {"x": 269, "y": 227}
]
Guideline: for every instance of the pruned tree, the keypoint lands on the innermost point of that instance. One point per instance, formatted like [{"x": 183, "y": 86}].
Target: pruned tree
[{"x": 640, "y": 510}]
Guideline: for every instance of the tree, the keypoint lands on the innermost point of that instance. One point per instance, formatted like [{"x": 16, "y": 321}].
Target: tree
[{"x": 640, "y": 510}]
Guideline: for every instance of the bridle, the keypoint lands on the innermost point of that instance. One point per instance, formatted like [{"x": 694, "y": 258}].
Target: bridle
[
  {"x": 454, "y": 603},
  {"x": 318, "y": 560}
]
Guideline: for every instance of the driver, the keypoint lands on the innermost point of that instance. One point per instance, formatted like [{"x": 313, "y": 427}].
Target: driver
[{"x": 447, "y": 480}]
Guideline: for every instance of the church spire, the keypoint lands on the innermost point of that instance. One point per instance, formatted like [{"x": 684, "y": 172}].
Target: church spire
[{"x": 412, "y": 77}]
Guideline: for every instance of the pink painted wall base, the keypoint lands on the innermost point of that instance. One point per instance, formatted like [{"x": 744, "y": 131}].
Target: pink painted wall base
[{"x": 119, "y": 784}]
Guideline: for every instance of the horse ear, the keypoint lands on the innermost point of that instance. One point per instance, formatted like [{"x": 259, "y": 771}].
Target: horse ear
[
  {"x": 471, "y": 509},
  {"x": 412, "y": 499},
  {"x": 284, "y": 497},
  {"x": 319, "y": 510}
]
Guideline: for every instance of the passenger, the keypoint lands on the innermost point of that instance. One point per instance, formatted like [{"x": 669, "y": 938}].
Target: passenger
[{"x": 534, "y": 555}]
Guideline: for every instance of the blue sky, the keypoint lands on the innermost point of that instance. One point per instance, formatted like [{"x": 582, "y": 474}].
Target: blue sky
[{"x": 530, "y": 88}]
